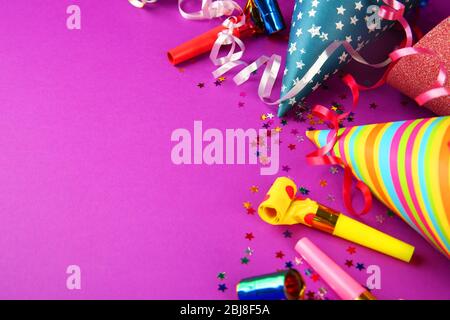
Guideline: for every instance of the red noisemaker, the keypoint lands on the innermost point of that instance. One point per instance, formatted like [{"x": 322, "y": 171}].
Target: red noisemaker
[{"x": 261, "y": 17}]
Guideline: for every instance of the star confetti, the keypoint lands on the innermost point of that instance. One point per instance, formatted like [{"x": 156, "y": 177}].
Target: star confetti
[
  {"x": 249, "y": 236},
  {"x": 308, "y": 272},
  {"x": 287, "y": 234},
  {"x": 390, "y": 213},
  {"x": 373, "y": 106},
  {"x": 284, "y": 122},
  {"x": 310, "y": 295},
  {"x": 254, "y": 189},
  {"x": 351, "y": 250},
  {"x": 218, "y": 83},
  {"x": 222, "y": 287},
  {"x": 201, "y": 85},
  {"x": 247, "y": 205},
  {"x": 245, "y": 260},
  {"x": 241, "y": 104},
  {"x": 303, "y": 191},
  {"x": 379, "y": 218},
  {"x": 249, "y": 251},
  {"x": 331, "y": 197},
  {"x": 285, "y": 168},
  {"x": 349, "y": 263},
  {"x": 360, "y": 266},
  {"x": 288, "y": 265},
  {"x": 334, "y": 170},
  {"x": 250, "y": 211},
  {"x": 291, "y": 146},
  {"x": 294, "y": 132},
  {"x": 263, "y": 117},
  {"x": 242, "y": 94},
  {"x": 298, "y": 260},
  {"x": 323, "y": 183},
  {"x": 279, "y": 255},
  {"x": 221, "y": 79},
  {"x": 315, "y": 277},
  {"x": 221, "y": 276}
]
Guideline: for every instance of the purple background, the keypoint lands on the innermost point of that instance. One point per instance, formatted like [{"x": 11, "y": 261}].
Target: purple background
[{"x": 86, "y": 176}]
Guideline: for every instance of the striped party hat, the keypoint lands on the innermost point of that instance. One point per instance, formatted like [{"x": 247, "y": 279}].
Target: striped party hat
[{"x": 406, "y": 164}]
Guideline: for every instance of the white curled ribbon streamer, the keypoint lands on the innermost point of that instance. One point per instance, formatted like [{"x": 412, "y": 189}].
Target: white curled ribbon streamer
[
  {"x": 141, "y": 3},
  {"x": 272, "y": 67},
  {"x": 210, "y": 9},
  {"x": 227, "y": 37}
]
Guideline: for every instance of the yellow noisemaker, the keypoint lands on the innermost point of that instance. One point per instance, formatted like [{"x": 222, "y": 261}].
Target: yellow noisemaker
[{"x": 281, "y": 207}]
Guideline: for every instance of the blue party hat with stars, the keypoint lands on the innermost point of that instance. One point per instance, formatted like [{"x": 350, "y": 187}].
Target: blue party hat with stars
[{"x": 315, "y": 25}]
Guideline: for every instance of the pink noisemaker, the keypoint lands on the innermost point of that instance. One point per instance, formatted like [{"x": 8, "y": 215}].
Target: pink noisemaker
[{"x": 340, "y": 281}]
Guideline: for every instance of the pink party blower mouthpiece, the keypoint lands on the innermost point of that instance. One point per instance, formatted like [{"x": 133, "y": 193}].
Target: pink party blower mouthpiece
[{"x": 345, "y": 286}]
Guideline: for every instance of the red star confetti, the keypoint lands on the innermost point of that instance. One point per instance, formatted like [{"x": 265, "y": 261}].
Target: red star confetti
[
  {"x": 351, "y": 250},
  {"x": 310, "y": 295},
  {"x": 251, "y": 211},
  {"x": 241, "y": 104},
  {"x": 291, "y": 146},
  {"x": 249, "y": 236},
  {"x": 254, "y": 189},
  {"x": 201, "y": 85},
  {"x": 349, "y": 263},
  {"x": 279, "y": 255},
  {"x": 373, "y": 106},
  {"x": 315, "y": 277}
]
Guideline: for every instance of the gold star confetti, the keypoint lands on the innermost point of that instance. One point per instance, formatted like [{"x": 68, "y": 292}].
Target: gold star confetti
[
  {"x": 247, "y": 205},
  {"x": 263, "y": 117},
  {"x": 278, "y": 129},
  {"x": 323, "y": 183},
  {"x": 264, "y": 160},
  {"x": 221, "y": 79},
  {"x": 254, "y": 189}
]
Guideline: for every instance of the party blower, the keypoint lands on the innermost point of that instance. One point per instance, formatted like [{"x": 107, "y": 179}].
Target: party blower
[
  {"x": 261, "y": 17},
  {"x": 282, "y": 285},
  {"x": 340, "y": 281},
  {"x": 281, "y": 207}
]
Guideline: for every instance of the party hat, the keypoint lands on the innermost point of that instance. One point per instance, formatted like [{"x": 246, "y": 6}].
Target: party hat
[
  {"x": 318, "y": 23},
  {"x": 406, "y": 164},
  {"x": 414, "y": 74}
]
